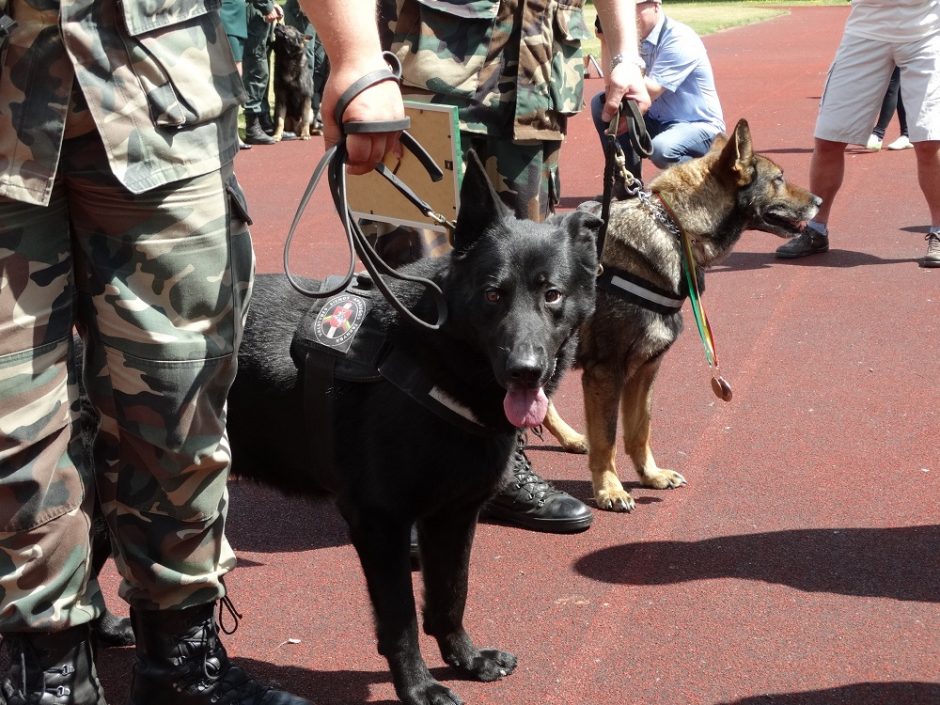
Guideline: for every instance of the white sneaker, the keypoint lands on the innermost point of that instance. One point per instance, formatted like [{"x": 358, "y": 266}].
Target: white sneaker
[
  {"x": 901, "y": 142},
  {"x": 874, "y": 143}
]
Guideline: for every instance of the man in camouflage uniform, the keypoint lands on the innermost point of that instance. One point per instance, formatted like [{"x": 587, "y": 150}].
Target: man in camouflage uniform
[
  {"x": 120, "y": 216},
  {"x": 514, "y": 69}
]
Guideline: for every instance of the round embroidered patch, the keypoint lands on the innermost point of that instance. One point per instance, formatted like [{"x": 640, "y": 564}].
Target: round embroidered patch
[{"x": 339, "y": 319}]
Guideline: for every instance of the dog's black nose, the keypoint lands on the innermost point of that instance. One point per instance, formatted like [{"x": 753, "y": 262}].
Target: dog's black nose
[{"x": 525, "y": 373}]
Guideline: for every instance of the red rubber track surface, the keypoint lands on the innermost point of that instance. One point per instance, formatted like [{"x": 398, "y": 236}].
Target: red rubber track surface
[{"x": 801, "y": 564}]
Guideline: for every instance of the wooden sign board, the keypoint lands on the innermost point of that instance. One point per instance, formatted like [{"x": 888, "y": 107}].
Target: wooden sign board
[{"x": 436, "y": 128}]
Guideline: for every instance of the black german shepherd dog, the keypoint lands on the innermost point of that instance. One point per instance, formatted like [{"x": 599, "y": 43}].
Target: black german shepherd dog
[{"x": 516, "y": 293}]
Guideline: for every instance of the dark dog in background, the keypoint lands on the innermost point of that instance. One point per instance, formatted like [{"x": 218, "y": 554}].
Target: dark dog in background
[
  {"x": 293, "y": 83},
  {"x": 713, "y": 199},
  {"x": 516, "y": 293}
]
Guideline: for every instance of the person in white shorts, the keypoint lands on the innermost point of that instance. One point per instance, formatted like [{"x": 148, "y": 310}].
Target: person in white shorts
[{"x": 879, "y": 34}]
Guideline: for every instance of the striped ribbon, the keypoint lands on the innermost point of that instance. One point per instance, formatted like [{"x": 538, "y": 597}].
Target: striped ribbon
[{"x": 721, "y": 388}]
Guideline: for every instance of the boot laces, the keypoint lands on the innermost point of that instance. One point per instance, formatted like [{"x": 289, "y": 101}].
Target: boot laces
[
  {"x": 230, "y": 684},
  {"x": 525, "y": 478}
]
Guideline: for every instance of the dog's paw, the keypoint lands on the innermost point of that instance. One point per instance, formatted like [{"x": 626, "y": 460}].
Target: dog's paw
[
  {"x": 575, "y": 444},
  {"x": 485, "y": 664},
  {"x": 664, "y": 480},
  {"x": 430, "y": 693},
  {"x": 615, "y": 500},
  {"x": 491, "y": 665}
]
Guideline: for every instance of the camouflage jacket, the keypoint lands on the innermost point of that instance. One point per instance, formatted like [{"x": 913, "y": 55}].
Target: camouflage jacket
[
  {"x": 156, "y": 79},
  {"x": 513, "y": 67}
]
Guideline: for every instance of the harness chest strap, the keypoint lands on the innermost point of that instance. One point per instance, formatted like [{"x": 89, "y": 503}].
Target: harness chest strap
[{"x": 637, "y": 290}]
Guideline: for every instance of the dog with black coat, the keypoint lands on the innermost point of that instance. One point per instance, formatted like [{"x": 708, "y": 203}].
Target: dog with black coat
[
  {"x": 516, "y": 293},
  {"x": 293, "y": 84}
]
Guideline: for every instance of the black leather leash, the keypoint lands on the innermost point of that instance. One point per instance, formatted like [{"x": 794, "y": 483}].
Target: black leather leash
[
  {"x": 334, "y": 164},
  {"x": 615, "y": 161}
]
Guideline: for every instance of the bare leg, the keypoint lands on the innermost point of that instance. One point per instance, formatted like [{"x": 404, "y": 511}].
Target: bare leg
[
  {"x": 928, "y": 176},
  {"x": 826, "y": 172}
]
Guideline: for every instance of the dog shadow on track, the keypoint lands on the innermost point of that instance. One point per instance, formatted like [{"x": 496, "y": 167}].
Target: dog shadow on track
[
  {"x": 912, "y": 692},
  {"x": 264, "y": 520},
  {"x": 892, "y": 563},
  {"x": 322, "y": 686}
]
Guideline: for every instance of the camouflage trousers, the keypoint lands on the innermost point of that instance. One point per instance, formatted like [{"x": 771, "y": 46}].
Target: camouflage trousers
[
  {"x": 157, "y": 285},
  {"x": 256, "y": 63},
  {"x": 525, "y": 174}
]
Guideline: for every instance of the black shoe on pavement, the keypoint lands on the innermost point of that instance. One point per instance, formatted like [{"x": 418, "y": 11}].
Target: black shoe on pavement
[
  {"x": 49, "y": 668},
  {"x": 808, "y": 242},
  {"x": 530, "y": 502},
  {"x": 254, "y": 134}
]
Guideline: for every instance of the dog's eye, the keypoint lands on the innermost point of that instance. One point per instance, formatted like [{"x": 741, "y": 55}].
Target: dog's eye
[
  {"x": 552, "y": 296},
  {"x": 492, "y": 296}
]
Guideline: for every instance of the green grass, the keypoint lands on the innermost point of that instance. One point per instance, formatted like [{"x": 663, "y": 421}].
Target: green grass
[{"x": 707, "y": 17}]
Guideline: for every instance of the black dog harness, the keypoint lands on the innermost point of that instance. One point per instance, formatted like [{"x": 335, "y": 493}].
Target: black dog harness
[{"x": 323, "y": 350}]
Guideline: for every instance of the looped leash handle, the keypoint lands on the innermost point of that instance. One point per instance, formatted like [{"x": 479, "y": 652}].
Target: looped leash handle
[
  {"x": 614, "y": 159},
  {"x": 639, "y": 135},
  {"x": 391, "y": 73},
  {"x": 334, "y": 164}
]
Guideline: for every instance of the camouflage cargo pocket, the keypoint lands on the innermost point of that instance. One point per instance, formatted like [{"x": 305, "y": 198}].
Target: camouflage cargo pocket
[
  {"x": 567, "y": 84},
  {"x": 443, "y": 46},
  {"x": 189, "y": 78},
  {"x": 38, "y": 438}
]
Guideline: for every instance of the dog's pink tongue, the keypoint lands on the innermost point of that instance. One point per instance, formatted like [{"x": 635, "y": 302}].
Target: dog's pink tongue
[{"x": 525, "y": 408}]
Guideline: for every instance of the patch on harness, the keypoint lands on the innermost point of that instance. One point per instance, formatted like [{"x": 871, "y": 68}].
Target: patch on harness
[{"x": 339, "y": 320}]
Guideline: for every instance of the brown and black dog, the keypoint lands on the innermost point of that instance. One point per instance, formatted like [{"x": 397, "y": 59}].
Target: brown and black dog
[
  {"x": 715, "y": 198},
  {"x": 293, "y": 84}
]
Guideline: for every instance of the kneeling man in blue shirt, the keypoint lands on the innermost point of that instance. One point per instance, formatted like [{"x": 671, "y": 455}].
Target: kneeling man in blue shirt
[{"x": 685, "y": 115}]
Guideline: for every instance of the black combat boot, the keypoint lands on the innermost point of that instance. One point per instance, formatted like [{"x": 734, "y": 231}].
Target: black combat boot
[
  {"x": 267, "y": 124},
  {"x": 254, "y": 133},
  {"x": 180, "y": 661},
  {"x": 49, "y": 668},
  {"x": 530, "y": 502}
]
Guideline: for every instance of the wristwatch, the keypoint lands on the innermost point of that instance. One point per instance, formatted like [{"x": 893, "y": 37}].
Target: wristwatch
[{"x": 636, "y": 60}]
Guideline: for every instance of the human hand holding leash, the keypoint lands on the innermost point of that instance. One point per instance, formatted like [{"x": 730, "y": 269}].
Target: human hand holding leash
[
  {"x": 355, "y": 51},
  {"x": 624, "y": 77},
  {"x": 380, "y": 102}
]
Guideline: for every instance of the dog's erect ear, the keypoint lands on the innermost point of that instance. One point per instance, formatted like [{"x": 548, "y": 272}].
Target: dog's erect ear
[
  {"x": 583, "y": 230},
  {"x": 737, "y": 155},
  {"x": 480, "y": 205}
]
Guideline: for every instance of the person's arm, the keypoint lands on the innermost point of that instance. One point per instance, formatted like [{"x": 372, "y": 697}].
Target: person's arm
[
  {"x": 350, "y": 36},
  {"x": 653, "y": 88},
  {"x": 625, "y": 80}
]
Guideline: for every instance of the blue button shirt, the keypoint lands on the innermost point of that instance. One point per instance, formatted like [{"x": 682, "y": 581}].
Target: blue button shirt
[{"x": 676, "y": 59}]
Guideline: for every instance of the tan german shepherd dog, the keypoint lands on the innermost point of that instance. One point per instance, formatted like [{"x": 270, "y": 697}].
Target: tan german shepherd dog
[{"x": 714, "y": 199}]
